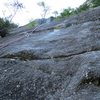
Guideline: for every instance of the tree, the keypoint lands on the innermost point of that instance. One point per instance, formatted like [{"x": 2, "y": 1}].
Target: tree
[
  {"x": 15, "y": 6},
  {"x": 88, "y": 4},
  {"x": 83, "y": 7},
  {"x": 6, "y": 22},
  {"x": 93, "y": 3},
  {"x": 55, "y": 13},
  {"x": 67, "y": 12},
  {"x": 45, "y": 9}
]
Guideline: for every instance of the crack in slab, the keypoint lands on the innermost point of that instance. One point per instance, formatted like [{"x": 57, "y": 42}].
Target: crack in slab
[{"x": 25, "y": 55}]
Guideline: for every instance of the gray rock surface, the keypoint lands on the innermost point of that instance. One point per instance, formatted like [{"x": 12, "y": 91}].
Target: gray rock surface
[{"x": 53, "y": 64}]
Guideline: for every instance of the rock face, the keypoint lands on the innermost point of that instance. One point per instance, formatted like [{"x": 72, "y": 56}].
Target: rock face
[{"x": 53, "y": 64}]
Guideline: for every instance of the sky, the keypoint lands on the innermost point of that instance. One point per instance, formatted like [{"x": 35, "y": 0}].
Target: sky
[{"x": 32, "y": 11}]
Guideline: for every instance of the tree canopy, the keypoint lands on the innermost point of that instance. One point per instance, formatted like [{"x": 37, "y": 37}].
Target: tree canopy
[{"x": 85, "y": 6}]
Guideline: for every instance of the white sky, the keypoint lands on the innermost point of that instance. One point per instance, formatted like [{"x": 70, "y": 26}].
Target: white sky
[{"x": 33, "y": 11}]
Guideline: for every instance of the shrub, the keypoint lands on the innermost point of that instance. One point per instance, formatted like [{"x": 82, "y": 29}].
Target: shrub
[
  {"x": 5, "y": 25},
  {"x": 32, "y": 24},
  {"x": 3, "y": 32}
]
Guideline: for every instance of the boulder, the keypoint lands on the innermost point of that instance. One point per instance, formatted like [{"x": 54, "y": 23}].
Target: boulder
[{"x": 54, "y": 64}]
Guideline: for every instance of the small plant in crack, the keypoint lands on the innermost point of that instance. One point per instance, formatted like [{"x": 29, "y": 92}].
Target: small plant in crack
[
  {"x": 23, "y": 55},
  {"x": 92, "y": 80},
  {"x": 89, "y": 80}
]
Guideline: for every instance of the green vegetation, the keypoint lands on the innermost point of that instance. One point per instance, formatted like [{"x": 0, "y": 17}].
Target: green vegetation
[
  {"x": 65, "y": 13},
  {"x": 32, "y": 24},
  {"x": 93, "y": 3},
  {"x": 5, "y": 25},
  {"x": 85, "y": 6}
]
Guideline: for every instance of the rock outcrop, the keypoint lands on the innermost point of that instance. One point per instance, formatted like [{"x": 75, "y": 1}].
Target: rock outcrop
[{"x": 58, "y": 61}]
